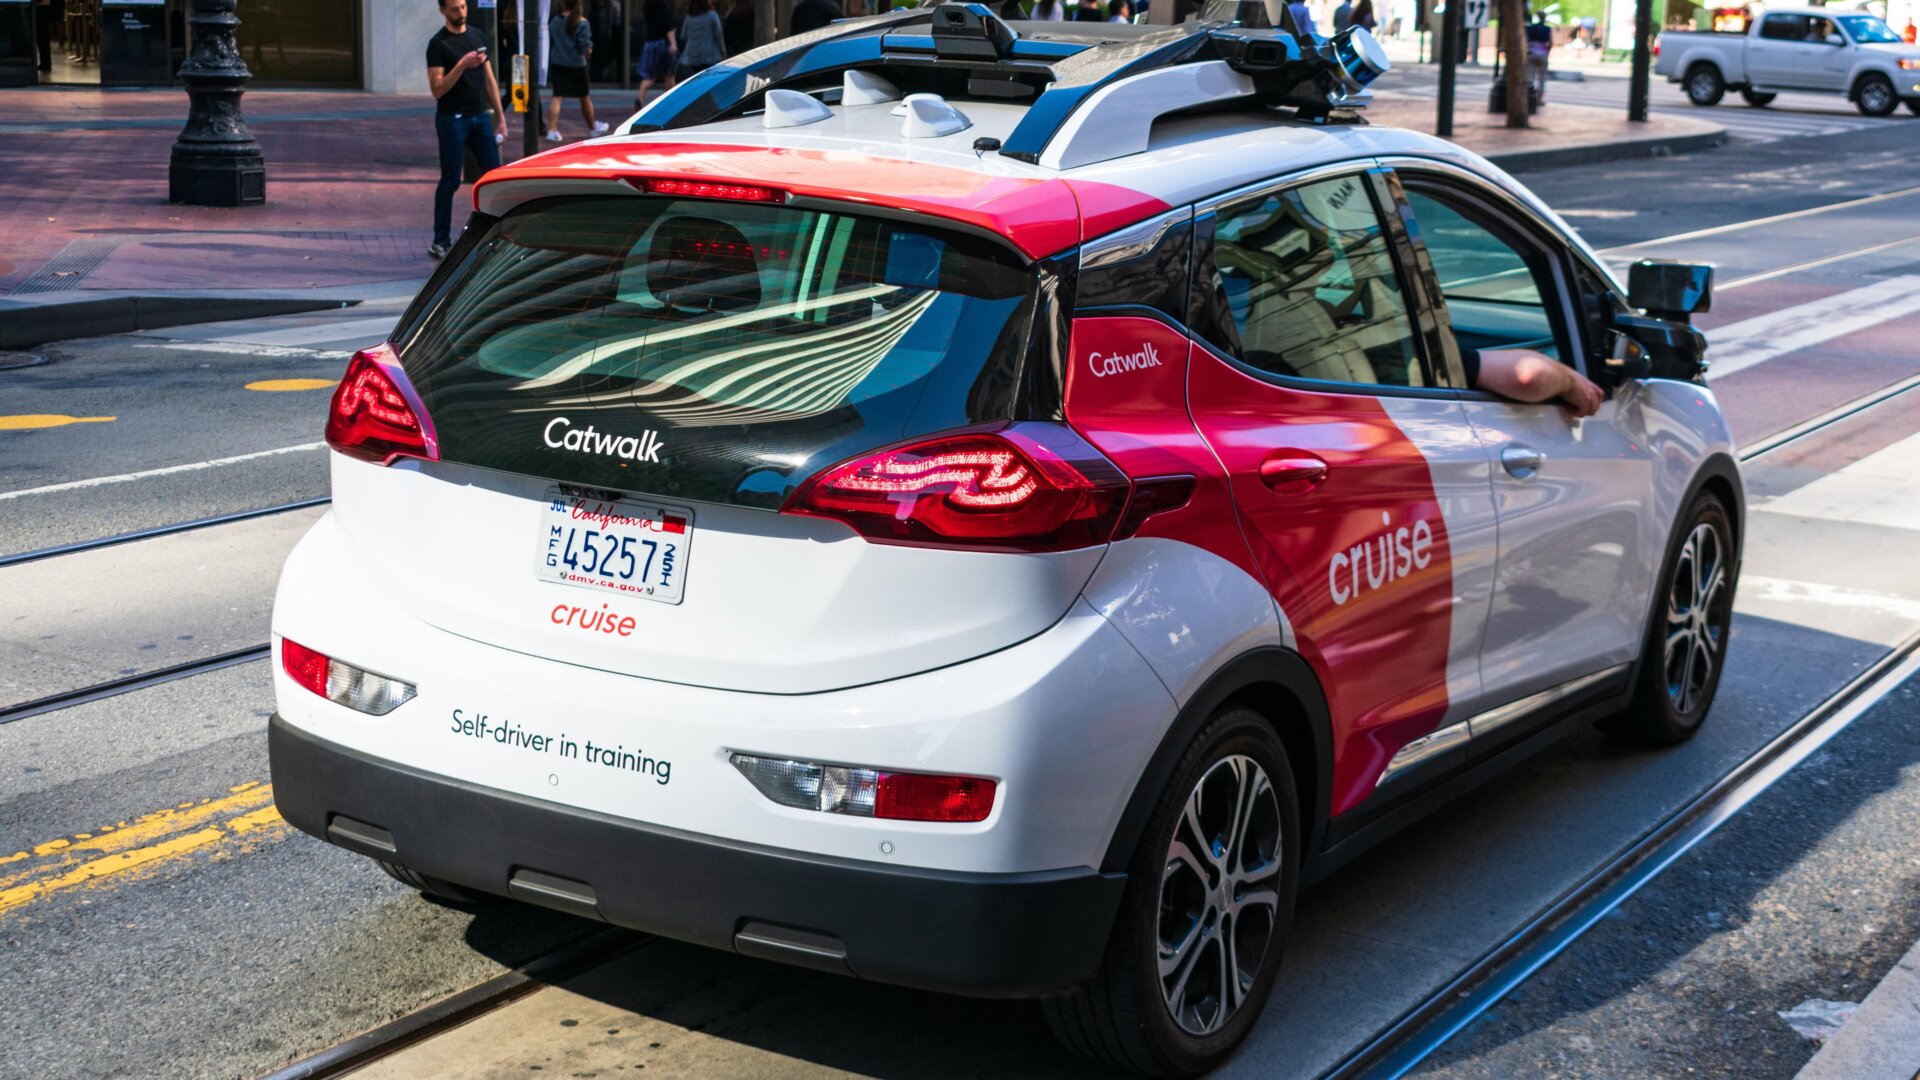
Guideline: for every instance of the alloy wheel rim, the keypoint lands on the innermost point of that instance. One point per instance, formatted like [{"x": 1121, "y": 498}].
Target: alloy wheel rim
[
  {"x": 1702, "y": 87},
  {"x": 1219, "y": 895},
  {"x": 1876, "y": 96},
  {"x": 1696, "y": 618}
]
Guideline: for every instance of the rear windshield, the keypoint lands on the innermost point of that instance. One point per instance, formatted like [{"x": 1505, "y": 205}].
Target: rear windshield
[{"x": 720, "y": 351}]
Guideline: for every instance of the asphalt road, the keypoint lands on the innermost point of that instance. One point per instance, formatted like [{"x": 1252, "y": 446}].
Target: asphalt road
[{"x": 160, "y": 919}]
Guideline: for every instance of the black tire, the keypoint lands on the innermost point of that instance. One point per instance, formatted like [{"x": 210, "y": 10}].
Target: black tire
[
  {"x": 1757, "y": 99},
  {"x": 444, "y": 891},
  {"x": 1671, "y": 697},
  {"x": 1874, "y": 96},
  {"x": 1704, "y": 85},
  {"x": 1124, "y": 1017}
]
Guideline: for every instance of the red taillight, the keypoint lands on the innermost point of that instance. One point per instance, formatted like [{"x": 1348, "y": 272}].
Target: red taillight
[
  {"x": 306, "y": 667},
  {"x": 915, "y": 797},
  {"x": 708, "y": 189},
  {"x": 374, "y": 416},
  {"x": 1030, "y": 487}
]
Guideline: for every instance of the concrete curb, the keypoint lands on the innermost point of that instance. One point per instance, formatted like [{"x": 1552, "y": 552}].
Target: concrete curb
[
  {"x": 1652, "y": 146},
  {"x": 1882, "y": 1040},
  {"x": 24, "y": 323}
]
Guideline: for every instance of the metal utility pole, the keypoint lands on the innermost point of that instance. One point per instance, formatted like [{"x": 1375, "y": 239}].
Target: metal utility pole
[
  {"x": 215, "y": 161},
  {"x": 1449, "y": 57},
  {"x": 764, "y": 21},
  {"x": 1642, "y": 61},
  {"x": 530, "y": 47}
]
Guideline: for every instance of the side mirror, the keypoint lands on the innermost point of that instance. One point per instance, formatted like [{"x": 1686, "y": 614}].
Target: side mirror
[
  {"x": 1670, "y": 290},
  {"x": 1650, "y": 348}
]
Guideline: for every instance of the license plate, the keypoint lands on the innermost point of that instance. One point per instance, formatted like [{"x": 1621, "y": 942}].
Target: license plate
[{"x": 615, "y": 545}]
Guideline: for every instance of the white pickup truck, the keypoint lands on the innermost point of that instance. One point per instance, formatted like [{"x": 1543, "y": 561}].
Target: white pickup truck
[{"x": 1842, "y": 52}]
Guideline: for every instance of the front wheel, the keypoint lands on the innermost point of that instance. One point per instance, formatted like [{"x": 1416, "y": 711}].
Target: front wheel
[
  {"x": 1705, "y": 86},
  {"x": 1686, "y": 647},
  {"x": 1876, "y": 97},
  {"x": 1196, "y": 945},
  {"x": 1757, "y": 99}
]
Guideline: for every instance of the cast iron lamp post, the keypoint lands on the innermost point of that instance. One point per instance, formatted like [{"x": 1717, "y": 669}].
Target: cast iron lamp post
[{"x": 216, "y": 161}]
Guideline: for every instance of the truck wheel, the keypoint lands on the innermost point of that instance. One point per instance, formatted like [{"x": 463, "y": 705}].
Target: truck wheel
[
  {"x": 1757, "y": 99},
  {"x": 1705, "y": 86},
  {"x": 445, "y": 891},
  {"x": 1875, "y": 96},
  {"x": 1197, "y": 943},
  {"x": 1686, "y": 646}
]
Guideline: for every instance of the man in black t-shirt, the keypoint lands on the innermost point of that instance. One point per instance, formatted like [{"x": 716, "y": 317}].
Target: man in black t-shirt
[{"x": 460, "y": 79}]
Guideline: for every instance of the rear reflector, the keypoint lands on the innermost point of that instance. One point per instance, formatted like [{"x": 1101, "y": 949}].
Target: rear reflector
[
  {"x": 1027, "y": 487},
  {"x": 707, "y": 189},
  {"x": 843, "y": 789},
  {"x": 342, "y": 683},
  {"x": 375, "y": 415}
]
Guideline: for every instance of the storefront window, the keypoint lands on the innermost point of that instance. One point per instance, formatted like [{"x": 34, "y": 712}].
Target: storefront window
[{"x": 300, "y": 42}]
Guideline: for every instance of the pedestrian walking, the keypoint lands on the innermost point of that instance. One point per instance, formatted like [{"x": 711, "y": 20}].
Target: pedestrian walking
[
  {"x": 465, "y": 89},
  {"x": 1089, "y": 11},
  {"x": 813, "y": 14},
  {"x": 1539, "y": 44},
  {"x": 739, "y": 27},
  {"x": 1049, "y": 11},
  {"x": 703, "y": 38},
  {"x": 569, "y": 51},
  {"x": 1363, "y": 15},
  {"x": 1119, "y": 11},
  {"x": 660, "y": 53},
  {"x": 1302, "y": 18},
  {"x": 43, "y": 33},
  {"x": 1011, "y": 10},
  {"x": 1342, "y": 16}
]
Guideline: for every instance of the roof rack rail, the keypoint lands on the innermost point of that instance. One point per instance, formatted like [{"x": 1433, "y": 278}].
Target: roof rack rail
[{"x": 1125, "y": 84}]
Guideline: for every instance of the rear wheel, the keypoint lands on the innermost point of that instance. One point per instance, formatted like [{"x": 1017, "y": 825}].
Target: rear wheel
[
  {"x": 445, "y": 891},
  {"x": 1197, "y": 943},
  {"x": 1757, "y": 99},
  {"x": 1686, "y": 647},
  {"x": 1705, "y": 86},
  {"x": 1875, "y": 96}
]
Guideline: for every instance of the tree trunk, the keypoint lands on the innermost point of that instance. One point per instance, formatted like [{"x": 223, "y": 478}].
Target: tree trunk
[
  {"x": 1513, "y": 42},
  {"x": 763, "y": 21}
]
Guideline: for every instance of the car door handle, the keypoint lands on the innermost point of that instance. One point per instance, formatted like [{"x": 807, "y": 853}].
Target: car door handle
[
  {"x": 1522, "y": 461},
  {"x": 1292, "y": 472}
]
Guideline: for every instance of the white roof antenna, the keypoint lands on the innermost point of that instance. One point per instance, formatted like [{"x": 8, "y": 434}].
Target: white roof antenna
[
  {"x": 929, "y": 116},
  {"x": 791, "y": 108},
  {"x": 866, "y": 88}
]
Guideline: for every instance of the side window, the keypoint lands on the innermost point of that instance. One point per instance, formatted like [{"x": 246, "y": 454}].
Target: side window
[
  {"x": 1308, "y": 286},
  {"x": 1784, "y": 27},
  {"x": 1823, "y": 32},
  {"x": 1496, "y": 285}
]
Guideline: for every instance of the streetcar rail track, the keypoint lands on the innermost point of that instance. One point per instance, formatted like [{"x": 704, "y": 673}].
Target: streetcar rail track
[
  {"x": 67, "y": 699},
  {"x": 1422, "y": 1030},
  {"x": 456, "y": 1009},
  {"x": 158, "y": 531}
]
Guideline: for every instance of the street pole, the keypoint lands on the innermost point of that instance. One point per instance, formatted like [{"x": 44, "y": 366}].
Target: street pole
[
  {"x": 215, "y": 161},
  {"x": 1449, "y": 56},
  {"x": 1642, "y": 61},
  {"x": 1513, "y": 42},
  {"x": 529, "y": 47},
  {"x": 763, "y": 21}
]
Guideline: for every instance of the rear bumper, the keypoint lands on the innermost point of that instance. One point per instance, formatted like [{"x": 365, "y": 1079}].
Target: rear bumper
[{"x": 1014, "y": 934}]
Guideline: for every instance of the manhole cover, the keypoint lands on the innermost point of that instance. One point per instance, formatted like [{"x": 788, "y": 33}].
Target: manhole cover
[{"x": 9, "y": 360}]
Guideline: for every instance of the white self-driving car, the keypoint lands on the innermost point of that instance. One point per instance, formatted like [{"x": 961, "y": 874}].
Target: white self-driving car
[{"x": 995, "y": 508}]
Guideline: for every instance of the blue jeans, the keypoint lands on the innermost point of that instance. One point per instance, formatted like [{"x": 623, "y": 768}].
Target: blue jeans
[{"x": 457, "y": 133}]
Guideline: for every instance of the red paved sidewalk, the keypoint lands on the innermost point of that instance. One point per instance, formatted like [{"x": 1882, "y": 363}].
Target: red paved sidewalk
[{"x": 350, "y": 182}]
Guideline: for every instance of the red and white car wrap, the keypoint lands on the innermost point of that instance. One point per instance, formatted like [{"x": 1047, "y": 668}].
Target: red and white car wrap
[{"x": 1361, "y": 555}]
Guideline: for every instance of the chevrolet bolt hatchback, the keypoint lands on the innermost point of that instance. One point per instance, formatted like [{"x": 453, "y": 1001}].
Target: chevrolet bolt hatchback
[{"x": 995, "y": 508}]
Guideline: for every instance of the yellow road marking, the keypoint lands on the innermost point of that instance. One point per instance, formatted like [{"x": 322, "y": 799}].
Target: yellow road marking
[
  {"x": 148, "y": 840},
  {"x": 291, "y": 384},
  {"x": 32, "y": 421}
]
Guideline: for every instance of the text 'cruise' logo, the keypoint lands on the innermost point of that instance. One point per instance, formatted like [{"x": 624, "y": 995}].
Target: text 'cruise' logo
[{"x": 642, "y": 447}]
